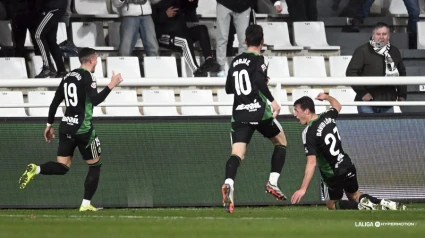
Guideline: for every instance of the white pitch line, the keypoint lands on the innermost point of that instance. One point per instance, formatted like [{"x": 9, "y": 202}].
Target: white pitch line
[{"x": 34, "y": 216}]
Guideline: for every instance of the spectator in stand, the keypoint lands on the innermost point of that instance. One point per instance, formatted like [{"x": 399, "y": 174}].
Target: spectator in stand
[
  {"x": 240, "y": 10},
  {"x": 3, "y": 14},
  {"x": 45, "y": 36},
  {"x": 136, "y": 19},
  {"x": 301, "y": 10},
  {"x": 413, "y": 9},
  {"x": 171, "y": 19},
  {"x": 378, "y": 58}
]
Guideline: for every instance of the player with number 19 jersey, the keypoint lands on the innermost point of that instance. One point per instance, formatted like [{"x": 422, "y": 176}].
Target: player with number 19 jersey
[
  {"x": 247, "y": 80},
  {"x": 79, "y": 91}
]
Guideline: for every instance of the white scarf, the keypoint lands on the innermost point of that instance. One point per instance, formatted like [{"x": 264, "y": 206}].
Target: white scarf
[{"x": 381, "y": 49}]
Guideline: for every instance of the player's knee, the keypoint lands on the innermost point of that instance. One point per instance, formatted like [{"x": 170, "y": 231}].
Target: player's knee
[
  {"x": 279, "y": 140},
  {"x": 330, "y": 205},
  {"x": 62, "y": 170}
]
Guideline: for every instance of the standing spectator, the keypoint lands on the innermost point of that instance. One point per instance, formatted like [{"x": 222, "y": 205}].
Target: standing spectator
[
  {"x": 170, "y": 17},
  {"x": 413, "y": 9},
  {"x": 51, "y": 13},
  {"x": 24, "y": 16},
  {"x": 351, "y": 12},
  {"x": 301, "y": 10},
  {"x": 378, "y": 58},
  {"x": 240, "y": 11},
  {"x": 2, "y": 10},
  {"x": 136, "y": 20}
]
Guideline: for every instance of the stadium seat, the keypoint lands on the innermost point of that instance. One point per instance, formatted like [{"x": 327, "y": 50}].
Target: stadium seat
[
  {"x": 197, "y": 96},
  {"x": 93, "y": 7},
  {"x": 12, "y": 97},
  {"x": 276, "y": 36},
  {"x": 6, "y": 34},
  {"x": 122, "y": 96},
  {"x": 222, "y": 96},
  {"x": 344, "y": 95},
  {"x": 13, "y": 68},
  {"x": 159, "y": 96},
  {"x": 312, "y": 93},
  {"x": 338, "y": 65},
  {"x": 74, "y": 63},
  {"x": 160, "y": 67},
  {"x": 207, "y": 9},
  {"x": 37, "y": 65},
  {"x": 303, "y": 32},
  {"x": 128, "y": 66},
  {"x": 277, "y": 66},
  {"x": 89, "y": 34},
  {"x": 61, "y": 35},
  {"x": 114, "y": 37},
  {"x": 421, "y": 35},
  {"x": 284, "y": 110},
  {"x": 398, "y": 9},
  {"x": 309, "y": 66},
  {"x": 42, "y": 97}
]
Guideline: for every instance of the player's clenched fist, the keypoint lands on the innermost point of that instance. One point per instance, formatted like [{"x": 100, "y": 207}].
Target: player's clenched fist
[{"x": 115, "y": 80}]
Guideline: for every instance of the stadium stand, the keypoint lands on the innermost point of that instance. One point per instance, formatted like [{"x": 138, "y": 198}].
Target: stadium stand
[
  {"x": 198, "y": 96},
  {"x": 222, "y": 96},
  {"x": 122, "y": 96},
  {"x": 338, "y": 65},
  {"x": 346, "y": 94},
  {"x": 160, "y": 67},
  {"x": 421, "y": 35},
  {"x": 12, "y": 97},
  {"x": 128, "y": 66},
  {"x": 13, "y": 68},
  {"x": 42, "y": 97},
  {"x": 159, "y": 96},
  {"x": 276, "y": 36},
  {"x": 303, "y": 32},
  {"x": 309, "y": 66}
]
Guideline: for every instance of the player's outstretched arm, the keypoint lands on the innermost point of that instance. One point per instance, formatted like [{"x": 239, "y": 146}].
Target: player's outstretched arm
[
  {"x": 97, "y": 98},
  {"x": 334, "y": 103},
  {"x": 308, "y": 175}
]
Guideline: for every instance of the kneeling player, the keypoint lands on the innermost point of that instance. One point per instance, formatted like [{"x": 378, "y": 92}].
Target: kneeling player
[
  {"x": 247, "y": 80},
  {"x": 322, "y": 143}
]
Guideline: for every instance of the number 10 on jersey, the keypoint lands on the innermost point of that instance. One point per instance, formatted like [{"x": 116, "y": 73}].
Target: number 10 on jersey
[{"x": 240, "y": 77}]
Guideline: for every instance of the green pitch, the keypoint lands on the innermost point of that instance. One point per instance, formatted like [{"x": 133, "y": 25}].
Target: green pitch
[{"x": 287, "y": 221}]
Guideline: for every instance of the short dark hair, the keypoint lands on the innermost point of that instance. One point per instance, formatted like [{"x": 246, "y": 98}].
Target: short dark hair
[
  {"x": 380, "y": 25},
  {"x": 254, "y": 35},
  {"x": 305, "y": 103},
  {"x": 85, "y": 53}
]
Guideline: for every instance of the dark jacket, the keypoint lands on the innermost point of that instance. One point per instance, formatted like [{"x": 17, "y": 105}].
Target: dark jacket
[
  {"x": 240, "y": 5},
  {"x": 366, "y": 62},
  {"x": 53, "y": 4},
  {"x": 171, "y": 25}
]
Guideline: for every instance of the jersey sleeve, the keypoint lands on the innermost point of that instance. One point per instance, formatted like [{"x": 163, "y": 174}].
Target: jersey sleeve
[
  {"x": 260, "y": 78},
  {"x": 331, "y": 113},
  {"x": 229, "y": 81},
  {"x": 90, "y": 85},
  {"x": 59, "y": 96},
  {"x": 309, "y": 141}
]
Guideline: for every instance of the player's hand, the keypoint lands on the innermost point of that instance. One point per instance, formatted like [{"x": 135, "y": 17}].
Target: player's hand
[
  {"x": 367, "y": 97},
  {"x": 171, "y": 12},
  {"x": 276, "y": 108},
  {"x": 278, "y": 8},
  {"x": 296, "y": 198},
  {"x": 322, "y": 96},
  {"x": 116, "y": 79},
  {"x": 49, "y": 133}
]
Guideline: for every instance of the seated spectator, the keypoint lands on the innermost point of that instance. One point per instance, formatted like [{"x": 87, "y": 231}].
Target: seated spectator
[
  {"x": 51, "y": 13},
  {"x": 173, "y": 33},
  {"x": 136, "y": 20},
  {"x": 378, "y": 58}
]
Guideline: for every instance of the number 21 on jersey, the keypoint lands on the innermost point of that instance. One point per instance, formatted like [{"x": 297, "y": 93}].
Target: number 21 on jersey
[
  {"x": 241, "y": 78},
  {"x": 70, "y": 92}
]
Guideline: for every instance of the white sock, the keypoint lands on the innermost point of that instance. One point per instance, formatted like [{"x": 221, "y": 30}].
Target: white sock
[
  {"x": 37, "y": 170},
  {"x": 273, "y": 178},
  {"x": 229, "y": 181},
  {"x": 85, "y": 203}
]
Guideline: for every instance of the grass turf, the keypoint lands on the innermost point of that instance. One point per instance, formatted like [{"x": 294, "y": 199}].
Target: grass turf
[{"x": 282, "y": 221}]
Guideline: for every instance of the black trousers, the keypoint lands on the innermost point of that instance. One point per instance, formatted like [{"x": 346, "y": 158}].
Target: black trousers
[
  {"x": 184, "y": 40},
  {"x": 45, "y": 37},
  {"x": 351, "y": 9},
  {"x": 302, "y": 10}
]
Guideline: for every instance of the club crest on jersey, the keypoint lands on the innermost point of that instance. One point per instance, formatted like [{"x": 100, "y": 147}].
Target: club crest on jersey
[
  {"x": 252, "y": 107},
  {"x": 94, "y": 85},
  {"x": 264, "y": 67}
]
